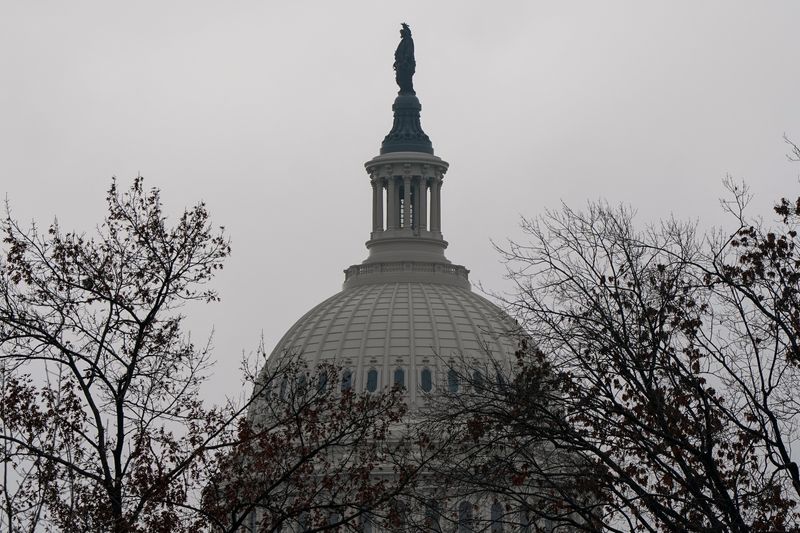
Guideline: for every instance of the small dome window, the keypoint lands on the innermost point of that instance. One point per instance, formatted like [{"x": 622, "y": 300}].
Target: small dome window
[
  {"x": 477, "y": 379},
  {"x": 366, "y": 523},
  {"x": 432, "y": 514},
  {"x": 322, "y": 384},
  {"x": 426, "y": 380},
  {"x": 302, "y": 522},
  {"x": 347, "y": 380},
  {"x": 452, "y": 380},
  {"x": 497, "y": 517},
  {"x": 400, "y": 511},
  {"x": 372, "y": 380},
  {"x": 400, "y": 378},
  {"x": 464, "y": 517},
  {"x": 282, "y": 393},
  {"x": 524, "y": 520}
]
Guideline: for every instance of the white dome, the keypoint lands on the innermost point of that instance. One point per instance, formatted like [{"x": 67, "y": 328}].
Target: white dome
[{"x": 388, "y": 326}]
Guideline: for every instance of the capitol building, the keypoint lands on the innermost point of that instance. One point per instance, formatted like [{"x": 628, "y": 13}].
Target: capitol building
[{"x": 406, "y": 316}]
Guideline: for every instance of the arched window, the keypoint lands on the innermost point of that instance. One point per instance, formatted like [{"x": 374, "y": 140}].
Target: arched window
[
  {"x": 524, "y": 520},
  {"x": 400, "y": 378},
  {"x": 301, "y": 383},
  {"x": 372, "y": 380},
  {"x": 282, "y": 393},
  {"x": 426, "y": 380},
  {"x": 464, "y": 517},
  {"x": 496, "y": 515},
  {"x": 399, "y": 518},
  {"x": 302, "y": 522},
  {"x": 477, "y": 379},
  {"x": 432, "y": 515},
  {"x": 347, "y": 380},
  {"x": 322, "y": 384},
  {"x": 365, "y": 523},
  {"x": 452, "y": 380}
]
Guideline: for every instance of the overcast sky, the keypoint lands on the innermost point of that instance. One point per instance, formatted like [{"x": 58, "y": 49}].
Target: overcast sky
[{"x": 268, "y": 110}]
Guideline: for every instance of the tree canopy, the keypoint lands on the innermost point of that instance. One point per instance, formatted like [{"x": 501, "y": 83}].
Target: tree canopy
[
  {"x": 657, "y": 383},
  {"x": 102, "y": 424}
]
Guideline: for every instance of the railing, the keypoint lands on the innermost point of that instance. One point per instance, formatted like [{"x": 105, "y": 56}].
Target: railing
[{"x": 407, "y": 266}]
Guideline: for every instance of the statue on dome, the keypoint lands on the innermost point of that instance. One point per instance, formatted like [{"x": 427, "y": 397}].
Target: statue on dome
[{"x": 404, "y": 63}]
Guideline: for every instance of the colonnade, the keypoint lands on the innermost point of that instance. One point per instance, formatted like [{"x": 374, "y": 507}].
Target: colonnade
[{"x": 406, "y": 203}]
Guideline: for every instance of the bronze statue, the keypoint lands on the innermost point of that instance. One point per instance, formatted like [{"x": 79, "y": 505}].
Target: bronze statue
[
  {"x": 404, "y": 63},
  {"x": 406, "y": 134}
]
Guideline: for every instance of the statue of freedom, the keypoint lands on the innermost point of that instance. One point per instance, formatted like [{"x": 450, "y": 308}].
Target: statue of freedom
[{"x": 404, "y": 63}]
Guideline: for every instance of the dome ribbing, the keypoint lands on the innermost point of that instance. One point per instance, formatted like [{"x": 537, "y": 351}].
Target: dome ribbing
[{"x": 401, "y": 325}]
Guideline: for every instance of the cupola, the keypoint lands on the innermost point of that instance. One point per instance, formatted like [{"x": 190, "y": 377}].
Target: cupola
[{"x": 406, "y": 242}]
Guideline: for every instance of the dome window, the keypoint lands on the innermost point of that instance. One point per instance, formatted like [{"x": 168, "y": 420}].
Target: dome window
[
  {"x": 282, "y": 392},
  {"x": 366, "y": 523},
  {"x": 497, "y": 517},
  {"x": 400, "y": 378},
  {"x": 302, "y": 522},
  {"x": 372, "y": 380},
  {"x": 426, "y": 382},
  {"x": 464, "y": 517},
  {"x": 432, "y": 517},
  {"x": 400, "y": 512},
  {"x": 452, "y": 380},
  {"x": 524, "y": 520},
  {"x": 322, "y": 384},
  {"x": 477, "y": 379},
  {"x": 347, "y": 380}
]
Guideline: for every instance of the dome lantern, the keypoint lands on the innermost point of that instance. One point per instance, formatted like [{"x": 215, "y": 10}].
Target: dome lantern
[{"x": 406, "y": 241}]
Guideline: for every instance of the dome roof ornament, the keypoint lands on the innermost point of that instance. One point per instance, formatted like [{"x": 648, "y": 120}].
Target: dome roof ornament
[
  {"x": 404, "y": 62},
  {"x": 406, "y": 134}
]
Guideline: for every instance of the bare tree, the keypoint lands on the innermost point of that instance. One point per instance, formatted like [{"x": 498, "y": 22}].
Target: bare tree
[
  {"x": 102, "y": 427},
  {"x": 313, "y": 455},
  {"x": 656, "y": 390}
]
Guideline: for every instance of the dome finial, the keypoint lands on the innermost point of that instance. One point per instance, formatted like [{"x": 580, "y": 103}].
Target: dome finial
[{"x": 406, "y": 134}]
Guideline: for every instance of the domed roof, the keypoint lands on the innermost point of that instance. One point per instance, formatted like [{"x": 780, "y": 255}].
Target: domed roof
[
  {"x": 406, "y": 314},
  {"x": 392, "y": 326}
]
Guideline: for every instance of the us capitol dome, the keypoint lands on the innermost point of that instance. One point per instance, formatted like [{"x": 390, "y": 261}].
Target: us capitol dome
[
  {"x": 405, "y": 314},
  {"x": 406, "y": 318}
]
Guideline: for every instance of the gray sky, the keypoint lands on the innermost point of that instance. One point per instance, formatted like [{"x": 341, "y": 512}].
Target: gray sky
[{"x": 268, "y": 110}]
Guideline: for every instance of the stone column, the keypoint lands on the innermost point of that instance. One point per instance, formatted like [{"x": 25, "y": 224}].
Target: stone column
[
  {"x": 391, "y": 203},
  {"x": 439, "y": 204},
  {"x": 406, "y": 201},
  {"x": 435, "y": 219},
  {"x": 379, "y": 205},
  {"x": 422, "y": 192},
  {"x": 375, "y": 202}
]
